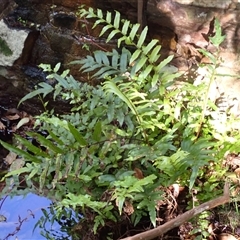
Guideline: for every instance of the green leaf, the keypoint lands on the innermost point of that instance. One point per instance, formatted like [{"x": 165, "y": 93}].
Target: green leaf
[
  {"x": 43, "y": 176},
  {"x": 154, "y": 56},
  {"x": 125, "y": 27},
  {"x": 104, "y": 29},
  {"x": 113, "y": 88},
  {"x": 33, "y": 172},
  {"x": 117, "y": 20},
  {"x": 134, "y": 31},
  {"x": 77, "y": 135},
  {"x": 123, "y": 38},
  {"x": 110, "y": 113},
  {"x": 105, "y": 72},
  {"x": 147, "y": 71},
  {"x": 97, "y": 133},
  {"x": 45, "y": 67},
  {"x": 115, "y": 57},
  {"x": 17, "y": 172},
  {"x": 20, "y": 152},
  {"x": 4, "y": 48},
  {"x": 57, "y": 67},
  {"x": 109, "y": 17},
  {"x": 124, "y": 60},
  {"x": 142, "y": 37},
  {"x": 30, "y": 147},
  {"x": 55, "y": 137},
  {"x": 99, "y": 13},
  {"x": 218, "y": 38},
  {"x": 62, "y": 81},
  {"x": 45, "y": 142},
  {"x": 149, "y": 47},
  {"x": 106, "y": 179},
  {"x": 120, "y": 201},
  {"x": 135, "y": 56},
  {"x": 140, "y": 64},
  {"x": 152, "y": 213},
  {"x": 209, "y": 55},
  {"x": 101, "y": 57},
  {"x": 34, "y": 93},
  {"x": 155, "y": 79},
  {"x": 193, "y": 177},
  {"x": 163, "y": 63}
]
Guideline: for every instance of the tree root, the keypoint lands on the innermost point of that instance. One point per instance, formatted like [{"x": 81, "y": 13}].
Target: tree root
[{"x": 158, "y": 231}]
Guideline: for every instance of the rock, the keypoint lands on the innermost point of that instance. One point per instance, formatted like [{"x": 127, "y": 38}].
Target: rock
[
  {"x": 6, "y": 6},
  {"x": 15, "y": 40},
  {"x": 206, "y": 3},
  {"x": 226, "y": 236}
]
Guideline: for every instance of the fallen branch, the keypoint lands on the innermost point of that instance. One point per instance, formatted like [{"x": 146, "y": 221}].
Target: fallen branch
[{"x": 158, "y": 231}]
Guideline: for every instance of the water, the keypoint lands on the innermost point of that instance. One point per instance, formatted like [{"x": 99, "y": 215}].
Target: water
[{"x": 23, "y": 213}]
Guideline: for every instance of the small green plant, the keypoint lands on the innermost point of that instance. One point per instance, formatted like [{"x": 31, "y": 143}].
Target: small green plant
[
  {"x": 125, "y": 140},
  {"x": 4, "y": 48}
]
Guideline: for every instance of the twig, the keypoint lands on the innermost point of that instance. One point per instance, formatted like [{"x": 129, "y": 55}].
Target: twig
[
  {"x": 153, "y": 233},
  {"x": 20, "y": 223}
]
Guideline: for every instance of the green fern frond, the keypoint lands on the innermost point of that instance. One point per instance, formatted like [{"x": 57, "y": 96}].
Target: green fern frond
[
  {"x": 106, "y": 63},
  {"x": 143, "y": 60}
]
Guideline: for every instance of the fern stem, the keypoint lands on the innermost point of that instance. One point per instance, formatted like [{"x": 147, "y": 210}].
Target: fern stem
[{"x": 204, "y": 106}]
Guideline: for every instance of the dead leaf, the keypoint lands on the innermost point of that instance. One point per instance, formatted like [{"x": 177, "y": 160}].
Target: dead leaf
[
  {"x": 22, "y": 122},
  {"x": 128, "y": 208},
  {"x": 17, "y": 164},
  {"x": 10, "y": 158},
  {"x": 23, "y": 114},
  {"x": 138, "y": 173},
  {"x": 237, "y": 172},
  {"x": 176, "y": 190},
  {"x": 226, "y": 236}
]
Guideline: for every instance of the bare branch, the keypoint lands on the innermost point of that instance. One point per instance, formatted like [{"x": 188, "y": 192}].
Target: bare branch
[{"x": 153, "y": 233}]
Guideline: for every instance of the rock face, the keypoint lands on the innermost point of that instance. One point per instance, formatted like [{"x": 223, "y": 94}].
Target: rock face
[
  {"x": 57, "y": 34},
  {"x": 205, "y": 3},
  {"x": 15, "y": 39}
]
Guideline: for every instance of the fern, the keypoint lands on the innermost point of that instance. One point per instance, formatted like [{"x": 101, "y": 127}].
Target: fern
[
  {"x": 135, "y": 119},
  {"x": 110, "y": 63},
  {"x": 144, "y": 55}
]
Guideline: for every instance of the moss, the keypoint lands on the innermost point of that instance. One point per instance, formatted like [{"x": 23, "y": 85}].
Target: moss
[{"x": 4, "y": 48}]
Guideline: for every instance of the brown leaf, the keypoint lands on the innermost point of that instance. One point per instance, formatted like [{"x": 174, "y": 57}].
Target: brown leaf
[
  {"x": 22, "y": 122},
  {"x": 138, "y": 173},
  {"x": 128, "y": 208},
  {"x": 237, "y": 171},
  {"x": 226, "y": 236},
  {"x": 10, "y": 158}
]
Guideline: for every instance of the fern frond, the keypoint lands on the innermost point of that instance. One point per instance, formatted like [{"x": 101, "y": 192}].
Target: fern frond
[
  {"x": 113, "y": 88},
  {"x": 113, "y": 25},
  {"x": 143, "y": 59},
  {"x": 45, "y": 142},
  {"x": 106, "y": 63},
  {"x": 27, "y": 156}
]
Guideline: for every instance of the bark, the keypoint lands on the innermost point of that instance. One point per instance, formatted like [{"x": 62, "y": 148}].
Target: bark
[{"x": 153, "y": 233}]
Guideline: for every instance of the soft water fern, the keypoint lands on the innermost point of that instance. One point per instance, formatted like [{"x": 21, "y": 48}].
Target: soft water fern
[
  {"x": 144, "y": 58},
  {"x": 106, "y": 64},
  {"x": 125, "y": 140}
]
